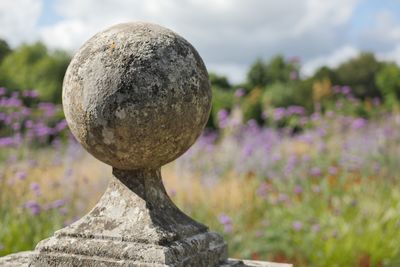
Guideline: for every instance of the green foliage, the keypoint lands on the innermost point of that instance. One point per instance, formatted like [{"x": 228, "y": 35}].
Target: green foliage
[
  {"x": 289, "y": 94},
  {"x": 221, "y": 99},
  {"x": 35, "y": 228},
  {"x": 4, "y": 49},
  {"x": 325, "y": 73},
  {"x": 219, "y": 81},
  {"x": 262, "y": 73},
  {"x": 278, "y": 70},
  {"x": 252, "y": 106},
  {"x": 359, "y": 73},
  {"x": 34, "y": 67},
  {"x": 388, "y": 82},
  {"x": 257, "y": 75}
]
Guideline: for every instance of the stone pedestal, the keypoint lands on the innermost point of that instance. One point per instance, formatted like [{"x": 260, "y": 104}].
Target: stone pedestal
[
  {"x": 134, "y": 224},
  {"x": 23, "y": 259}
]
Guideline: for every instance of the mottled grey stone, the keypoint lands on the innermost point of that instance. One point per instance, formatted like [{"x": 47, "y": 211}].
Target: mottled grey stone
[
  {"x": 136, "y": 96},
  {"x": 22, "y": 259},
  {"x": 135, "y": 223}
]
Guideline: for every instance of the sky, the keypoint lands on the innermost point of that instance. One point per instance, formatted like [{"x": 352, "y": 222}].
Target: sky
[{"x": 229, "y": 34}]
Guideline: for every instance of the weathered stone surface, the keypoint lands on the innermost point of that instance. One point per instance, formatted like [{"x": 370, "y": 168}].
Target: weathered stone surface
[
  {"x": 134, "y": 223},
  {"x": 22, "y": 259},
  {"x": 136, "y": 96}
]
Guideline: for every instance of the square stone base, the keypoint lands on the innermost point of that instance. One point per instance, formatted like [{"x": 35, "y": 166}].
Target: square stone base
[
  {"x": 23, "y": 259},
  {"x": 204, "y": 249}
]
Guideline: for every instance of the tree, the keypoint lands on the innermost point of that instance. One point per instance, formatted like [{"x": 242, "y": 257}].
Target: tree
[
  {"x": 359, "y": 73},
  {"x": 324, "y": 73},
  {"x": 289, "y": 94},
  {"x": 276, "y": 70},
  {"x": 4, "y": 49},
  {"x": 388, "y": 82},
  {"x": 34, "y": 67},
  {"x": 257, "y": 75},
  {"x": 219, "y": 81}
]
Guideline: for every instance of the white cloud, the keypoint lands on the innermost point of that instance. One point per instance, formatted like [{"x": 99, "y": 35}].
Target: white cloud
[
  {"x": 325, "y": 13},
  {"x": 228, "y": 34},
  {"x": 332, "y": 60},
  {"x": 18, "y": 20}
]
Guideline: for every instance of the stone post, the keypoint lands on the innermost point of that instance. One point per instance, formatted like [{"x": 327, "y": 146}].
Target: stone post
[{"x": 136, "y": 96}]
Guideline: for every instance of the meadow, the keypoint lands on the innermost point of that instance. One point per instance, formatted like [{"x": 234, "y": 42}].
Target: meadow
[{"x": 319, "y": 189}]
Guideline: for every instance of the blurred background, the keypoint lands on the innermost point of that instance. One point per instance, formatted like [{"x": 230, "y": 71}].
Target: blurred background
[{"x": 300, "y": 159}]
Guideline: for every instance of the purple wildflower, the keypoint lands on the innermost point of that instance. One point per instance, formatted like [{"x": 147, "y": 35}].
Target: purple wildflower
[
  {"x": 263, "y": 190},
  {"x": 315, "y": 116},
  {"x": 21, "y": 175},
  {"x": 332, "y": 170},
  {"x": 33, "y": 206},
  {"x": 298, "y": 189},
  {"x": 282, "y": 197},
  {"x": 315, "y": 172},
  {"x": 36, "y": 188},
  {"x": 247, "y": 151},
  {"x": 359, "y": 123},
  {"x": 297, "y": 225},
  {"x": 226, "y": 221},
  {"x": 346, "y": 90},
  {"x": 6, "y": 141},
  {"x": 295, "y": 110},
  {"x": 223, "y": 116},
  {"x": 26, "y": 111},
  {"x": 29, "y": 124},
  {"x": 61, "y": 125},
  {"x": 240, "y": 92},
  {"x": 30, "y": 93},
  {"x": 16, "y": 126},
  {"x": 48, "y": 108},
  {"x": 58, "y": 203},
  {"x": 279, "y": 113}
]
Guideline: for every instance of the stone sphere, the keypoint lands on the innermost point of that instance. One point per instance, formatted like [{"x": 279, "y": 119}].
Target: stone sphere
[{"x": 136, "y": 96}]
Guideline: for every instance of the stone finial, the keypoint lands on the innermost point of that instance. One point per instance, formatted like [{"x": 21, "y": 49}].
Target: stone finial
[{"x": 136, "y": 96}]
